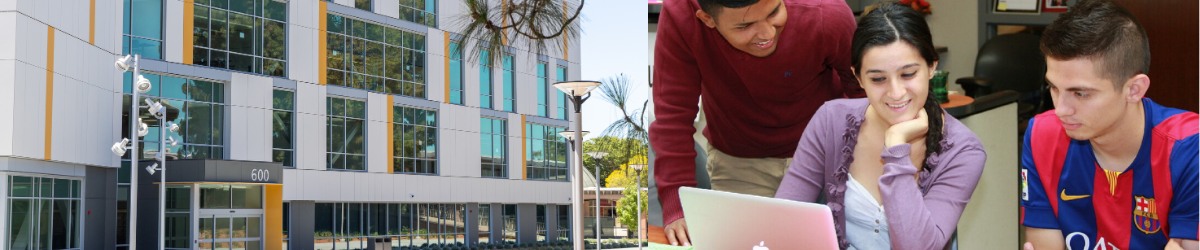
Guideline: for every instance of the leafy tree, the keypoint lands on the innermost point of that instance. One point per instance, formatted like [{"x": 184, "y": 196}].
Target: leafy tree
[
  {"x": 627, "y": 207},
  {"x": 610, "y": 152},
  {"x": 626, "y": 175}
]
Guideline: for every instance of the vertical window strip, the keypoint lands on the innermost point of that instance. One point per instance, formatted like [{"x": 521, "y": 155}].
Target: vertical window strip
[
  {"x": 283, "y": 113},
  {"x": 346, "y": 134}
]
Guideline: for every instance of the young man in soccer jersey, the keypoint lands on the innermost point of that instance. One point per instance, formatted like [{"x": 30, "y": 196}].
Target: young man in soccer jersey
[{"x": 1108, "y": 168}]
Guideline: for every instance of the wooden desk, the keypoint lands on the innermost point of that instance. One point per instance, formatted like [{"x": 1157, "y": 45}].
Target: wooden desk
[{"x": 655, "y": 234}]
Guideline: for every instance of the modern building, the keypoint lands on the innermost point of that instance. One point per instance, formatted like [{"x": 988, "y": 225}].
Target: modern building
[{"x": 303, "y": 124}]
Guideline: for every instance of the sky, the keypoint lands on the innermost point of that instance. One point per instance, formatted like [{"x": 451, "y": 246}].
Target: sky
[{"x": 613, "y": 41}]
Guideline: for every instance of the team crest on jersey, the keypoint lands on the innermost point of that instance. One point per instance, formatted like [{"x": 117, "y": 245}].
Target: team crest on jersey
[{"x": 1145, "y": 215}]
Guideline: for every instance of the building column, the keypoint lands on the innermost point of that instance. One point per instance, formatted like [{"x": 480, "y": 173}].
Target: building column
[
  {"x": 526, "y": 223},
  {"x": 301, "y": 216},
  {"x": 100, "y": 208},
  {"x": 471, "y": 222}
]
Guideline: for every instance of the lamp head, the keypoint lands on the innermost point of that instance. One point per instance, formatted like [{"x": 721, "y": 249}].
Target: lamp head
[
  {"x": 123, "y": 63},
  {"x": 142, "y": 85},
  {"x": 118, "y": 148}
]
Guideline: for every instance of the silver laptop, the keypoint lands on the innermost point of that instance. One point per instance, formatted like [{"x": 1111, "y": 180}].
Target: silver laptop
[{"x": 724, "y": 220}]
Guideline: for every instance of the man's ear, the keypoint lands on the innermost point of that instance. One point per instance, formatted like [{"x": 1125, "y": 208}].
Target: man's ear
[
  {"x": 706, "y": 18},
  {"x": 1135, "y": 88}
]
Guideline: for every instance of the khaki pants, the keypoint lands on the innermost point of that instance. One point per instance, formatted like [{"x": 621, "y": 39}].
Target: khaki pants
[{"x": 754, "y": 176}]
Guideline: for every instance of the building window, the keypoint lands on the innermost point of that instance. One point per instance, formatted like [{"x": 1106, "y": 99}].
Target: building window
[
  {"x": 510, "y": 99},
  {"x": 562, "y": 97},
  {"x": 414, "y": 133},
  {"x": 541, "y": 223},
  {"x": 282, "y": 119},
  {"x": 374, "y": 57},
  {"x": 510, "y": 222},
  {"x": 362, "y": 5},
  {"x": 43, "y": 213},
  {"x": 243, "y": 35},
  {"x": 543, "y": 87},
  {"x": 178, "y": 216},
  {"x": 419, "y": 11},
  {"x": 237, "y": 231},
  {"x": 456, "y": 74},
  {"x": 493, "y": 147},
  {"x": 545, "y": 153},
  {"x": 485, "y": 80},
  {"x": 564, "y": 223},
  {"x": 485, "y": 220},
  {"x": 346, "y": 134},
  {"x": 353, "y": 225},
  {"x": 197, "y": 106},
  {"x": 143, "y": 28}
]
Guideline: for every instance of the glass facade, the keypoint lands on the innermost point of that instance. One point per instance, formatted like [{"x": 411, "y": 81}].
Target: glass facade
[
  {"x": 142, "y": 28},
  {"x": 346, "y": 134},
  {"x": 564, "y": 222},
  {"x": 485, "y": 80},
  {"x": 562, "y": 97},
  {"x": 543, "y": 87},
  {"x": 510, "y": 222},
  {"x": 243, "y": 35},
  {"x": 197, "y": 106},
  {"x": 43, "y": 213},
  {"x": 414, "y": 137},
  {"x": 545, "y": 153},
  {"x": 485, "y": 221},
  {"x": 509, "y": 91},
  {"x": 179, "y": 205},
  {"x": 541, "y": 223},
  {"x": 456, "y": 73},
  {"x": 374, "y": 57},
  {"x": 363, "y": 5},
  {"x": 351, "y": 225},
  {"x": 283, "y": 105},
  {"x": 493, "y": 148},
  {"x": 419, "y": 11}
]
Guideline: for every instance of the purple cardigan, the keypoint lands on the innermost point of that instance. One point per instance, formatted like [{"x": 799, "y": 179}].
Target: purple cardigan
[{"x": 920, "y": 215}]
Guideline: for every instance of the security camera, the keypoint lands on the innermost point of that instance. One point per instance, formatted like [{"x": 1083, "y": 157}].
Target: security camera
[
  {"x": 119, "y": 147},
  {"x": 143, "y": 129},
  {"x": 123, "y": 62},
  {"x": 143, "y": 85}
]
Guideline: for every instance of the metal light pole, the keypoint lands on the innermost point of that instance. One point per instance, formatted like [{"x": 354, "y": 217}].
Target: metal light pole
[
  {"x": 139, "y": 85},
  {"x": 637, "y": 173},
  {"x": 577, "y": 90}
]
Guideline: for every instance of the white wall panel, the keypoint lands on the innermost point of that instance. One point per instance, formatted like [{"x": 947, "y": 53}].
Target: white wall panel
[
  {"x": 435, "y": 66},
  {"x": 377, "y": 128},
  {"x": 8, "y": 80},
  {"x": 8, "y": 29},
  {"x": 515, "y": 152},
  {"x": 390, "y": 8},
  {"x": 172, "y": 24},
  {"x": 302, "y": 53},
  {"x": 30, "y": 119},
  {"x": 310, "y": 122}
]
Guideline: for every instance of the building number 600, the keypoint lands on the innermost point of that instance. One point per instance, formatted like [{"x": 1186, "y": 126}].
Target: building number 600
[{"x": 260, "y": 175}]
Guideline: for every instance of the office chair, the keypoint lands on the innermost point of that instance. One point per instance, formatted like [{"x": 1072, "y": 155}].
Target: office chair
[{"x": 1011, "y": 62}]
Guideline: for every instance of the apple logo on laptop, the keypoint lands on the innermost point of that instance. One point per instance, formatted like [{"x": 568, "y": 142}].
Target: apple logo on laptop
[{"x": 760, "y": 246}]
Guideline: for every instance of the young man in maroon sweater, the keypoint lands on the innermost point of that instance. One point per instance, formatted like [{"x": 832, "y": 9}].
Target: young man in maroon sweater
[{"x": 761, "y": 68}]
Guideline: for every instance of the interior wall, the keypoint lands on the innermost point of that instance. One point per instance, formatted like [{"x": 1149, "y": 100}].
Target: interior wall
[
  {"x": 1171, "y": 27},
  {"x": 953, "y": 24}
]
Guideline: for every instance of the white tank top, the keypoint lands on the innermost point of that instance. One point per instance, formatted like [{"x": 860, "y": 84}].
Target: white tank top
[{"x": 866, "y": 224}]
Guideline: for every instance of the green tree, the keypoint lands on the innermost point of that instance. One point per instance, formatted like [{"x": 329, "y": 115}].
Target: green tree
[
  {"x": 626, "y": 174},
  {"x": 609, "y": 153},
  {"x": 627, "y": 207}
]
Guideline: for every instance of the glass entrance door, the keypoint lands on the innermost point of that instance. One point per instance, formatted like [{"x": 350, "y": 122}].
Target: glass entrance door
[{"x": 230, "y": 231}]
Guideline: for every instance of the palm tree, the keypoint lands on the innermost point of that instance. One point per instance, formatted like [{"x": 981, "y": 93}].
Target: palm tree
[{"x": 536, "y": 23}]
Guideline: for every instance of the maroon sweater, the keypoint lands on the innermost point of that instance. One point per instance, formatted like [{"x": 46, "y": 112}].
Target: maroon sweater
[{"x": 755, "y": 107}]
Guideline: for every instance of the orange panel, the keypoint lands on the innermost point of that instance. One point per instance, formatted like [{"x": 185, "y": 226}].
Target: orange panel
[
  {"x": 49, "y": 89},
  {"x": 189, "y": 8},
  {"x": 322, "y": 54},
  {"x": 273, "y": 216},
  {"x": 391, "y": 133}
]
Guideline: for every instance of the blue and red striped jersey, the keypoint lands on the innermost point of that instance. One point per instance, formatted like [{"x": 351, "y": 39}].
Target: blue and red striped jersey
[{"x": 1155, "y": 199}]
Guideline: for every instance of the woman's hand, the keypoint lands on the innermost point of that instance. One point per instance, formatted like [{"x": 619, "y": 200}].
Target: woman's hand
[{"x": 907, "y": 131}]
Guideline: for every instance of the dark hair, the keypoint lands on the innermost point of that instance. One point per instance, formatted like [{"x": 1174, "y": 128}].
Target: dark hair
[
  {"x": 1101, "y": 31},
  {"x": 891, "y": 22},
  {"x": 713, "y": 7}
]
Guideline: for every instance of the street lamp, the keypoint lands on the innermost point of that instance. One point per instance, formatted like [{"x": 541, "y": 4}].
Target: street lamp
[
  {"x": 141, "y": 85},
  {"x": 637, "y": 172},
  {"x": 577, "y": 90},
  {"x": 570, "y": 135}
]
